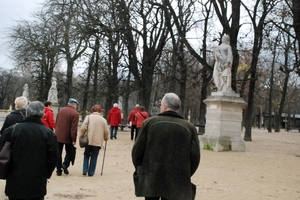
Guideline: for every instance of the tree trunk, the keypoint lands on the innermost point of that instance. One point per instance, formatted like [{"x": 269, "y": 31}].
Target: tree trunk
[
  {"x": 296, "y": 19},
  {"x": 206, "y": 77},
  {"x": 87, "y": 84},
  {"x": 271, "y": 83},
  {"x": 69, "y": 82}
]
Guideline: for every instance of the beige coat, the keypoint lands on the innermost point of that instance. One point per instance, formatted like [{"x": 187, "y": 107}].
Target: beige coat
[{"x": 96, "y": 127}]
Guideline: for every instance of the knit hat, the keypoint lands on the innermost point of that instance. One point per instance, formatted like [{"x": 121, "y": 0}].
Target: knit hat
[
  {"x": 115, "y": 105},
  {"x": 137, "y": 105}
]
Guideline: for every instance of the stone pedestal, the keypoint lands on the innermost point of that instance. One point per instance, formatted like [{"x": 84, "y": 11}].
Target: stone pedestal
[
  {"x": 54, "y": 108},
  {"x": 223, "y": 123}
]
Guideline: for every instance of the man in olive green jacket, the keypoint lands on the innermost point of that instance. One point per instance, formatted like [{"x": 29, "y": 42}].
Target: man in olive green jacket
[{"x": 166, "y": 154}]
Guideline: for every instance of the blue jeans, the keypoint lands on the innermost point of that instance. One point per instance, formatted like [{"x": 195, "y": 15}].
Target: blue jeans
[
  {"x": 113, "y": 131},
  {"x": 90, "y": 157}
]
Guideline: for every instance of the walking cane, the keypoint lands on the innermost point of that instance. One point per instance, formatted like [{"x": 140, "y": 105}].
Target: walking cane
[{"x": 103, "y": 157}]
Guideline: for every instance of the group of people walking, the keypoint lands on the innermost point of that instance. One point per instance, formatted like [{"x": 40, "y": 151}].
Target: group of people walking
[
  {"x": 136, "y": 118},
  {"x": 38, "y": 142},
  {"x": 34, "y": 151},
  {"x": 166, "y": 148}
]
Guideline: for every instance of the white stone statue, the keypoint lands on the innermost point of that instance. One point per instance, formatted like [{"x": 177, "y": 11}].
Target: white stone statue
[
  {"x": 52, "y": 94},
  {"x": 120, "y": 103},
  {"x": 223, "y": 63},
  {"x": 26, "y": 91}
]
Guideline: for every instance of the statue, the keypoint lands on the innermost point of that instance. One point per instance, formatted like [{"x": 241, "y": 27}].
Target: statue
[
  {"x": 52, "y": 94},
  {"x": 120, "y": 103},
  {"x": 222, "y": 68},
  {"x": 26, "y": 91}
]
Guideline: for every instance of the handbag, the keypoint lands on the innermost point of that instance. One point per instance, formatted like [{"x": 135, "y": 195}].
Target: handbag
[
  {"x": 136, "y": 177},
  {"x": 83, "y": 140},
  {"x": 5, "y": 155},
  {"x": 194, "y": 188}
]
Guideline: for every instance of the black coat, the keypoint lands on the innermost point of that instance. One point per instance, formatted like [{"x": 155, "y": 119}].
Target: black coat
[
  {"x": 12, "y": 118},
  {"x": 34, "y": 157},
  {"x": 167, "y": 149}
]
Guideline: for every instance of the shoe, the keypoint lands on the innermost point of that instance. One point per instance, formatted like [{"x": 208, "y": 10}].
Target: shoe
[
  {"x": 84, "y": 173},
  {"x": 115, "y": 137},
  {"x": 58, "y": 173},
  {"x": 65, "y": 169},
  {"x": 111, "y": 138}
]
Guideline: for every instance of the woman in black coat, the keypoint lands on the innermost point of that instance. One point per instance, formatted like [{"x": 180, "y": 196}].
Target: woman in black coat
[
  {"x": 34, "y": 152},
  {"x": 16, "y": 115}
]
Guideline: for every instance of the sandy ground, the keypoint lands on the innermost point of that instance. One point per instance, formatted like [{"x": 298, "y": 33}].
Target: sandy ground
[{"x": 268, "y": 169}]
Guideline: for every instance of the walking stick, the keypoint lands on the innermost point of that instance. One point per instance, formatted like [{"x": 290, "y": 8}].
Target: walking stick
[{"x": 103, "y": 157}]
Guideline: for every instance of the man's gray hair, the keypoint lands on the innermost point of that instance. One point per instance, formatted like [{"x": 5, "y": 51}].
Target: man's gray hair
[
  {"x": 173, "y": 101},
  {"x": 21, "y": 102},
  {"x": 35, "y": 108}
]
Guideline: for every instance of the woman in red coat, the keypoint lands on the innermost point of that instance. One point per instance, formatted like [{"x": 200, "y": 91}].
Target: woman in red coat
[
  {"x": 114, "y": 119},
  {"x": 48, "y": 119},
  {"x": 140, "y": 118}
]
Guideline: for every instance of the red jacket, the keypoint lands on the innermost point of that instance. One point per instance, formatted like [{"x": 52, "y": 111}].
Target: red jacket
[
  {"x": 114, "y": 117},
  {"x": 66, "y": 125},
  {"x": 131, "y": 116},
  {"x": 48, "y": 119},
  {"x": 140, "y": 118}
]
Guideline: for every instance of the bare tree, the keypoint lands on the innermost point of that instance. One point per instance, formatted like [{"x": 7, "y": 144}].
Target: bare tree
[
  {"x": 5, "y": 85},
  {"x": 35, "y": 46},
  {"x": 200, "y": 57},
  {"x": 296, "y": 23},
  {"x": 74, "y": 34},
  {"x": 258, "y": 18}
]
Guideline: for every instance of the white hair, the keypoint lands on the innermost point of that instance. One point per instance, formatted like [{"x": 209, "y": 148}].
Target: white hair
[{"x": 21, "y": 102}]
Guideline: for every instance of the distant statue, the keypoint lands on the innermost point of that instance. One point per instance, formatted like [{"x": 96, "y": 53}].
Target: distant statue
[
  {"x": 223, "y": 63},
  {"x": 120, "y": 103},
  {"x": 26, "y": 91},
  {"x": 52, "y": 94}
]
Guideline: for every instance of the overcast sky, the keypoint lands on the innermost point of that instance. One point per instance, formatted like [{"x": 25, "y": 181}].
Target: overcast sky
[{"x": 10, "y": 11}]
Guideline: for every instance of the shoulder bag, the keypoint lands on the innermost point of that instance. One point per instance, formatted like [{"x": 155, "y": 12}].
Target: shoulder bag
[
  {"x": 5, "y": 155},
  {"x": 83, "y": 140}
]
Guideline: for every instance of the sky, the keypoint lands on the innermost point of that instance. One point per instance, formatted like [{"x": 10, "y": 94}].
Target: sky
[{"x": 10, "y": 11}]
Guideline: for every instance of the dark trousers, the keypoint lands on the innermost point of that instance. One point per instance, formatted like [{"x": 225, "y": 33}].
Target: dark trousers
[
  {"x": 39, "y": 198},
  {"x": 133, "y": 127},
  {"x": 155, "y": 198},
  {"x": 67, "y": 160}
]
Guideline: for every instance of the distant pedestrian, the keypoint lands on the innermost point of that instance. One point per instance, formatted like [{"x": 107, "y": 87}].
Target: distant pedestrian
[
  {"x": 48, "y": 118},
  {"x": 16, "y": 115},
  {"x": 114, "y": 119},
  {"x": 34, "y": 156},
  {"x": 66, "y": 131},
  {"x": 97, "y": 131},
  {"x": 140, "y": 118},
  {"x": 131, "y": 118}
]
